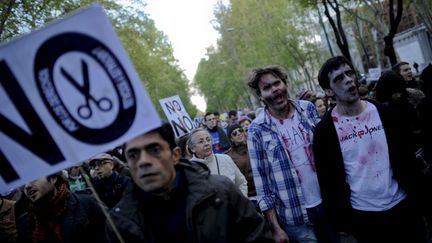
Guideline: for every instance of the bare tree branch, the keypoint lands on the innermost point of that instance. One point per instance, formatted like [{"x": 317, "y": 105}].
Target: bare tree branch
[
  {"x": 394, "y": 24},
  {"x": 338, "y": 30},
  {"x": 371, "y": 22},
  {"x": 378, "y": 12}
]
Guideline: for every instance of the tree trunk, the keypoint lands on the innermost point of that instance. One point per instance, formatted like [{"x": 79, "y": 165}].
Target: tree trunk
[
  {"x": 376, "y": 47},
  {"x": 394, "y": 24},
  {"x": 325, "y": 32},
  {"x": 389, "y": 49},
  {"x": 338, "y": 30},
  {"x": 362, "y": 41}
]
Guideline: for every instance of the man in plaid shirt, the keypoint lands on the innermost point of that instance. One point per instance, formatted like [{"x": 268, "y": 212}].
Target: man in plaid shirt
[{"x": 280, "y": 150}]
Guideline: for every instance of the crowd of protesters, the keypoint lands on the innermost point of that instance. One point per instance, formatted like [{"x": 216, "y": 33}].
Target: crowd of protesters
[{"x": 349, "y": 163}]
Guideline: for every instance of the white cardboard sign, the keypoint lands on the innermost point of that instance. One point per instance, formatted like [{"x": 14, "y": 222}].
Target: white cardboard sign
[
  {"x": 177, "y": 115},
  {"x": 374, "y": 73},
  {"x": 67, "y": 92}
]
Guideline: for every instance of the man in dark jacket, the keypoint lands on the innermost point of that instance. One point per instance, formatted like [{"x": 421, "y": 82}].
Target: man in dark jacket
[
  {"x": 369, "y": 183},
  {"x": 57, "y": 215},
  {"x": 109, "y": 184},
  {"x": 221, "y": 142},
  {"x": 175, "y": 200}
]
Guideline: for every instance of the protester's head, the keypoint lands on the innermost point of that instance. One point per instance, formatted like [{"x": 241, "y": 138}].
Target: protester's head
[
  {"x": 330, "y": 66},
  {"x": 45, "y": 187},
  {"x": 200, "y": 143},
  {"x": 210, "y": 120},
  {"x": 321, "y": 106},
  {"x": 270, "y": 85},
  {"x": 151, "y": 158},
  {"x": 391, "y": 86},
  {"x": 338, "y": 79},
  {"x": 404, "y": 69},
  {"x": 244, "y": 122},
  {"x": 74, "y": 171},
  {"x": 363, "y": 90},
  {"x": 232, "y": 116},
  {"x": 257, "y": 74},
  {"x": 102, "y": 164},
  {"x": 182, "y": 143},
  {"x": 251, "y": 116},
  {"x": 236, "y": 134},
  {"x": 217, "y": 116}
]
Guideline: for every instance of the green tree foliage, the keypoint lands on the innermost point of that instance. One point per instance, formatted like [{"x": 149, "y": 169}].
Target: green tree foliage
[
  {"x": 148, "y": 48},
  {"x": 257, "y": 33}
]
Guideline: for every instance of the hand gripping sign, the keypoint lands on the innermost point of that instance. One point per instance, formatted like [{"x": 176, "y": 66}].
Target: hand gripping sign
[{"x": 67, "y": 92}]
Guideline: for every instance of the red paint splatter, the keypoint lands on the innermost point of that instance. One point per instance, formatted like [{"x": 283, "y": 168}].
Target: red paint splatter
[
  {"x": 308, "y": 151},
  {"x": 364, "y": 160},
  {"x": 285, "y": 140},
  {"x": 304, "y": 134},
  {"x": 373, "y": 148},
  {"x": 301, "y": 129}
]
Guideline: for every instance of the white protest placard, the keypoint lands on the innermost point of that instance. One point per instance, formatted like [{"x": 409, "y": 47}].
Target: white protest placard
[
  {"x": 199, "y": 121},
  {"x": 374, "y": 73},
  {"x": 177, "y": 115},
  {"x": 67, "y": 92}
]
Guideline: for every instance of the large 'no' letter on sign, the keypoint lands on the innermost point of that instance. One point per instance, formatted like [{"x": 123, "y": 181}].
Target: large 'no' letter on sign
[{"x": 67, "y": 92}]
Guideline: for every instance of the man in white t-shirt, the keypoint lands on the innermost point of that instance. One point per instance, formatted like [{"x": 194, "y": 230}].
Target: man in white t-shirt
[
  {"x": 280, "y": 150},
  {"x": 367, "y": 176}
]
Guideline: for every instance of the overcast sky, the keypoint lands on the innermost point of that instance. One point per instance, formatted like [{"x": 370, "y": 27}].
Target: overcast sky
[{"x": 187, "y": 25}]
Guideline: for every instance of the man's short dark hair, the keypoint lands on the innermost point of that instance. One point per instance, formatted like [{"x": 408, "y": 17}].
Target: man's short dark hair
[
  {"x": 257, "y": 73},
  {"x": 166, "y": 132},
  {"x": 232, "y": 113},
  {"x": 60, "y": 178},
  {"x": 207, "y": 114},
  {"x": 397, "y": 66},
  {"x": 329, "y": 66}
]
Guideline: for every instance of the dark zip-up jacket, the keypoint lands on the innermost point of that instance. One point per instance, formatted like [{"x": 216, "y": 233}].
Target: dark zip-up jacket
[
  {"x": 216, "y": 211},
  {"x": 335, "y": 191}
]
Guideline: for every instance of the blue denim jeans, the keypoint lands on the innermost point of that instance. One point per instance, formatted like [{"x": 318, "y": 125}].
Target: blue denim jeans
[
  {"x": 301, "y": 233},
  {"x": 318, "y": 229}
]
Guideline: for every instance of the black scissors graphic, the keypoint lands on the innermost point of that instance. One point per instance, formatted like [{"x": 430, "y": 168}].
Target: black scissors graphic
[{"x": 84, "y": 111}]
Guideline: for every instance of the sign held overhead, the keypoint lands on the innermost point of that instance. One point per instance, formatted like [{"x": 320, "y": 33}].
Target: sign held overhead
[
  {"x": 67, "y": 92},
  {"x": 177, "y": 115}
]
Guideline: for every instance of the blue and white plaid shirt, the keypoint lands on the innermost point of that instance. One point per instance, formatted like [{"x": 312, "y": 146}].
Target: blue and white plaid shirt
[{"x": 276, "y": 181}]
